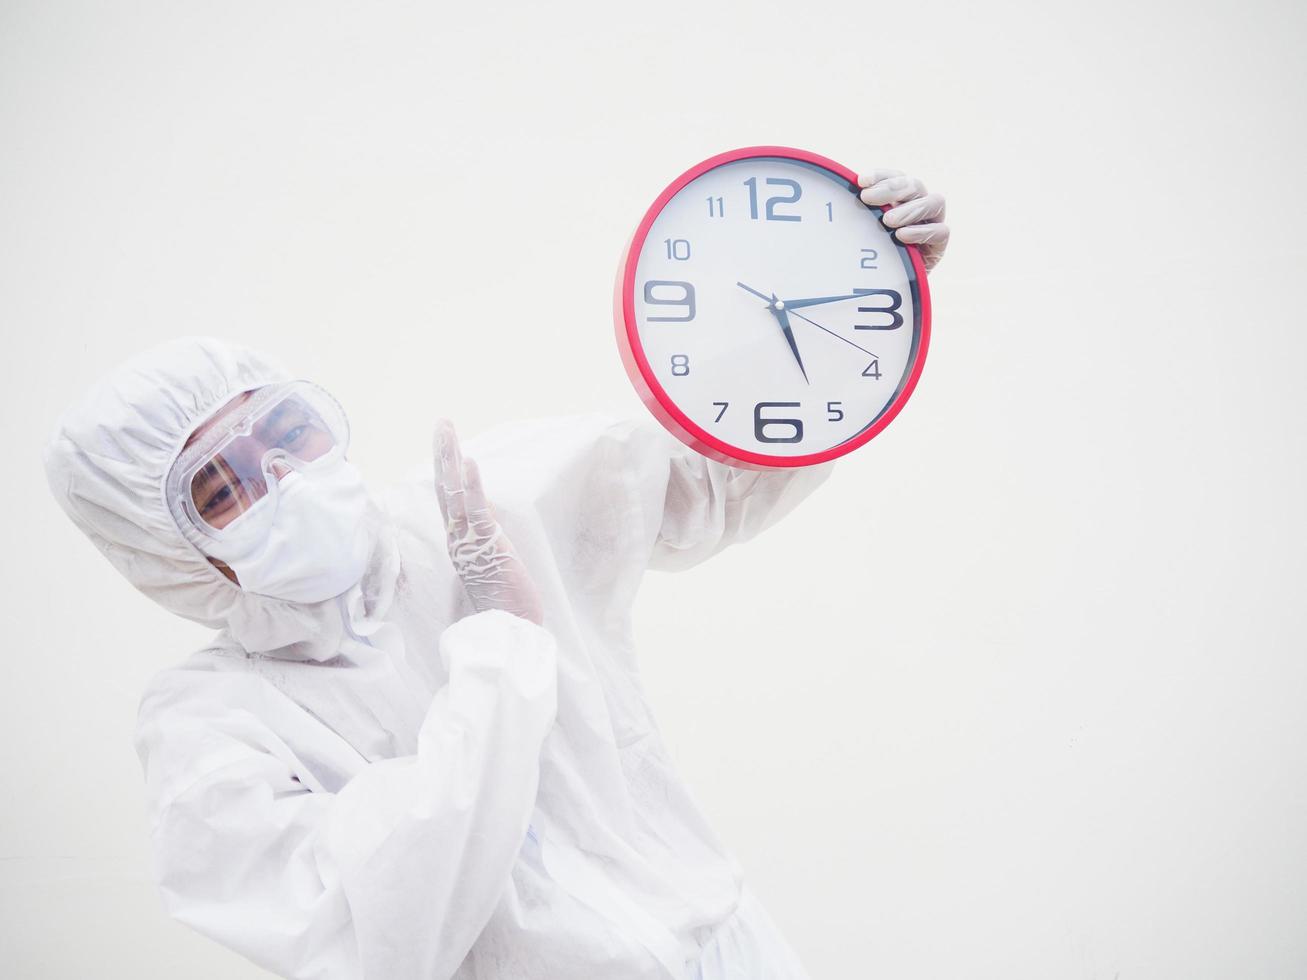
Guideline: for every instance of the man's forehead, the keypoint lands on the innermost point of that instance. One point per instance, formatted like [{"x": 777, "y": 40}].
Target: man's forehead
[{"x": 231, "y": 406}]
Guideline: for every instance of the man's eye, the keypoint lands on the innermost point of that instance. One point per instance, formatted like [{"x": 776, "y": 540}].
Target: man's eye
[
  {"x": 218, "y": 502},
  {"x": 294, "y": 435}
]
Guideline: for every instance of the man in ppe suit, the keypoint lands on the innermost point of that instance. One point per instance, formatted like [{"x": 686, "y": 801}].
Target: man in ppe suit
[{"x": 417, "y": 745}]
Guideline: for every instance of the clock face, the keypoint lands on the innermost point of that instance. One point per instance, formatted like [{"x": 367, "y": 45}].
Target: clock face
[{"x": 766, "y": 315}]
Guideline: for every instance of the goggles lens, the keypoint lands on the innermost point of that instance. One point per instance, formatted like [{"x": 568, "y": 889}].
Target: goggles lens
[{"x": 248, "y": 446}]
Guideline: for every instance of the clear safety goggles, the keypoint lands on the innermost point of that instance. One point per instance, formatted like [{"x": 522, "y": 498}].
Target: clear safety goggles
[{"x": 224, "y": 483}]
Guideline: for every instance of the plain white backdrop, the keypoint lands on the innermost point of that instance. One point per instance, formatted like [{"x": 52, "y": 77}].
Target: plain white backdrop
[{"x": 1018, "y": 694}]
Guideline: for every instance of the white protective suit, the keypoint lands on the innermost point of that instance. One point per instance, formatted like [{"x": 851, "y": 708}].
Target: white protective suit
[{"x": 391, "y": 785}]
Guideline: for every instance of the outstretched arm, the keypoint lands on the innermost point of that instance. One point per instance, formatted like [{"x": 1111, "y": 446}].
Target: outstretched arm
[{"x": 692, "y": 507}]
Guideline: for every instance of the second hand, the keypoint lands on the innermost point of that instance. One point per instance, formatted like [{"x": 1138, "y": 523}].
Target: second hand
[{"x": 832, "y": 333}]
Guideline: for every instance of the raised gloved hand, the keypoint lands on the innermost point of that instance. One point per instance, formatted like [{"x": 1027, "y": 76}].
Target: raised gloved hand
[
  {"x": 918, "y": 218},
  {"x": 492, "y": 574}
]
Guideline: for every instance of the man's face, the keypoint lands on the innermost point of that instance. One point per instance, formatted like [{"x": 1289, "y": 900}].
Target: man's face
[
  {"x": 236, "y": 477},
  {"x": 256, "y": 441}
]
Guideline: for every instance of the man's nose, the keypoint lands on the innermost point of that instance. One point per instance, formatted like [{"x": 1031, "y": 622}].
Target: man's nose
[{"x": 280, "y": 469}]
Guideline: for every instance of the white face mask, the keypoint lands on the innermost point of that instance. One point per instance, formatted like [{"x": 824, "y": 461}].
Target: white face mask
[{"x": 317, "y": 546}]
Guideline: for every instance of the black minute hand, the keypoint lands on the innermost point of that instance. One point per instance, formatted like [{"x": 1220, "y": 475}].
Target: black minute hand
[{"x": 791, "y": 304}]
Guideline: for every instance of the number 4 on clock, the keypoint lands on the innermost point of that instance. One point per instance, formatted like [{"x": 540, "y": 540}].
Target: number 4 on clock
[{"x": 872, "y": 370}]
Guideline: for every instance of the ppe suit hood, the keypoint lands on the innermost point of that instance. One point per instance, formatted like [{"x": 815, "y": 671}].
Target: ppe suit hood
[{"x": 107, "y": 462}]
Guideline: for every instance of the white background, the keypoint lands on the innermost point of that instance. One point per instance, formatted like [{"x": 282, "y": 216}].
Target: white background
[{"x": 1020, "y": 694}]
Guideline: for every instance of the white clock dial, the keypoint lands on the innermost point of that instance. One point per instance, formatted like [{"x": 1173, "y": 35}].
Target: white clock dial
[{"x": 773, "y": 308}]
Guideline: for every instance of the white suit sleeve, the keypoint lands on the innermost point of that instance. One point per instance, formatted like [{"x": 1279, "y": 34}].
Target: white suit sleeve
[
  {"x": 694, "y": 507},
  {"x": 396, "y": 873}
]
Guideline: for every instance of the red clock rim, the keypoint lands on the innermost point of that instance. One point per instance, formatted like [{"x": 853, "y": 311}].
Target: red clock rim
[{"x": 662, "y": 404}]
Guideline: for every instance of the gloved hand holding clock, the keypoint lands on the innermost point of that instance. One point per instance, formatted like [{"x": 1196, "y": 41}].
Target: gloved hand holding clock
[{"x": 916, "y": 216}]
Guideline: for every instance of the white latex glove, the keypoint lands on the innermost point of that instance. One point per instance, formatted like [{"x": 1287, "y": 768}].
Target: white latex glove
[
  {"x": 492, "y": 574},
  {"x": 918, "y": 218}
]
